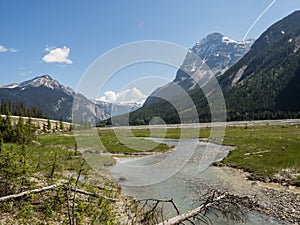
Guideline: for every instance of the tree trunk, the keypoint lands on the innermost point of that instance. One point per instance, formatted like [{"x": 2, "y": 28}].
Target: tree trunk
[
  {"x": 183, "y": 217},
  {"x": 24, "y": 193}
]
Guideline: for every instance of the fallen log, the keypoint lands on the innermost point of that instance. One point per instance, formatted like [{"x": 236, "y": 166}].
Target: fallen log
[
  {"x": 184, "y": 217},
  {"x": 29, "y": 192},
  {"x": 47, "y": 188}
]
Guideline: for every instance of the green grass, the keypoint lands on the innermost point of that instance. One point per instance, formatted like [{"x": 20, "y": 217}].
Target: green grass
[
  {"x": 28, "y": 167},
  {"x": 280, "y": 147},
  {"x": 66, "y": 140},
  {"x": 123, "y": 142},
  {"x": 41, "y": 158},
  {"x": 174, "y": 133},
  {"x": 282, "y": 142}
]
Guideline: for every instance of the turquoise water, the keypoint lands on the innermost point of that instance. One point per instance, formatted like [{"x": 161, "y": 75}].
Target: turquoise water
[{"x": 189, "y": 184}]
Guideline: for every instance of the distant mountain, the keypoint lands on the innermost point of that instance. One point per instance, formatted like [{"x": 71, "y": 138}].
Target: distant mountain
[
  {"x": 54, "y": 99},
  {"x": 113, "y": 109},
  {"x": 263, "y": 84},
  {"x": 217, "y": 51}
]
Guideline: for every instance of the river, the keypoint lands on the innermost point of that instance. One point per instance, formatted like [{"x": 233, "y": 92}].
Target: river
[{"x": 189, "y": 183}]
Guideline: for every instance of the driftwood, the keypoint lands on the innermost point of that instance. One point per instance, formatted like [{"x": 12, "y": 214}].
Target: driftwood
[
  {"x": 47, "y": 188},
  {"x": 186, "y": 216},
  {"x": 230, "y": 206},
  {"x": 25, "y": 193}
]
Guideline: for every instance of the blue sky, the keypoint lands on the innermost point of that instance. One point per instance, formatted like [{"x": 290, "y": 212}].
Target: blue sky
[{"x": 78, "y": 32}]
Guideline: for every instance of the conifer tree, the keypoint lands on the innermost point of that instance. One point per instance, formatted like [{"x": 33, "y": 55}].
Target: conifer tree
[{"x": 48, "y": 124}]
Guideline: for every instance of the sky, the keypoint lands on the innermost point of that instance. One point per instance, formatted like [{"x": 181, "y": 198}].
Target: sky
[{"x": 63, "y": 38}]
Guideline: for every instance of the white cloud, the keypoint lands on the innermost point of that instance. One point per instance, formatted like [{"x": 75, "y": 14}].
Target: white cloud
[
  {"x": 131, "y": 95},
  {"x": 5, "y": 49},
  {"x": 13, "y": 50},
  {"x": 59, "y": 55},
  {"x": 109, "y": 96}
]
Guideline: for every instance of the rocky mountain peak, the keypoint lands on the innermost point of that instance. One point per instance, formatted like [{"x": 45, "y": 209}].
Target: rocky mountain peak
[
  {"x": 41, "y": 81},
  {"x": 220, "y": 52},
  {"x": 44, "y": 80},
  {"x": 217, "y": 51}
]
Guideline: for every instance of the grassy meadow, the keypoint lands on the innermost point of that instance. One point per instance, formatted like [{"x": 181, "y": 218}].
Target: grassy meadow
[
  {"x": 53, "y": 159},
  {"x": 268, "y": 152}
]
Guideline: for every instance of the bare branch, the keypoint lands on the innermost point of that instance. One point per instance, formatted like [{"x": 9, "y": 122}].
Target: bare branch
[
  {"x": 51, "y": 187},
  {"x": 183, "y": 217},
  {"x": 26, "y": 193},
  {"x": 230, "y": 206},
  {"x": 74, "y": 196}
]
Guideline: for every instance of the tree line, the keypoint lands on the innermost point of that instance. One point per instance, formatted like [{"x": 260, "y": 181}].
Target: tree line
[{"x": 18, "y": 108}]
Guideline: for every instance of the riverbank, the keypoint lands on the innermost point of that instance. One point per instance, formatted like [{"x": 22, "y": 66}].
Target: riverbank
[
  {"x": 269, "y": 153},
  {"x": 266, "y": 155},
  {"x": 274, "y": 199}
]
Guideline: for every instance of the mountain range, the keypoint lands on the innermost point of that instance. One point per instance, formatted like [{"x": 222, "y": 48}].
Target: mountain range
[
  {"x": 56, "y": 100},
  {"x": 259, "y": 79},
  {"x": 262, "y": 83}
]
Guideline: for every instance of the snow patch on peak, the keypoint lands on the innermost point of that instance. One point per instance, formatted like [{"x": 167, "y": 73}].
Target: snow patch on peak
[
  {"x": 10, "y": 86},
  {"x": 41, "y": 81},
  {"x": 229, "y": 40}
]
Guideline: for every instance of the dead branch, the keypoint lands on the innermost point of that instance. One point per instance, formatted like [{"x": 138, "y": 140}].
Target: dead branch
[
  {"x": 90, "y": 194},
  {"x": 193, "y": 213},
  {"x": 230, "y": 206},
  {"x": 68, "y": 192},
  {"x": 74, "y": 196},
  {"x": 157, "y": 202},
  {"x": 51, "y": 187},
  {"x": 29, "y": 192},
  {"x": 150, "y": 211}
]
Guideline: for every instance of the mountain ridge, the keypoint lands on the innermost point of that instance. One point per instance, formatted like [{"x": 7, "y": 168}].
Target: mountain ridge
[
  {"x": 56, "y": 100},
  {"x": 263, "y": 84}
]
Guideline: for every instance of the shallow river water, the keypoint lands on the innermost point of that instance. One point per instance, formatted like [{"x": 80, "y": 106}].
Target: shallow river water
[{"x": 189, "y": 183}]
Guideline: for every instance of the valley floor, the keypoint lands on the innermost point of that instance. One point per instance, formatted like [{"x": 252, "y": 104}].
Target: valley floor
[{"x": 267, "y": 153}]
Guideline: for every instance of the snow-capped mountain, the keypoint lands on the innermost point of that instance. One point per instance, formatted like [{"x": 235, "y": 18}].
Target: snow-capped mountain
[
  {"x": 44, "y": 81},
  {"x": 215, "y": 54},
  {"x": 117, "y": 109},
  {"x": 55, "y": 99},
  {"x": 220, "y": 52},
  {"x": 217, "y": 51},
  {"x": 263, "y": 84}
]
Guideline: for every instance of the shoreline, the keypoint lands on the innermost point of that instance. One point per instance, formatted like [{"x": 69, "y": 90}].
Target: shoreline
[
  {"x": 254, "y": 177},
  {"x": 214, "y": 124},
  {"x": 274, "y": 199}
]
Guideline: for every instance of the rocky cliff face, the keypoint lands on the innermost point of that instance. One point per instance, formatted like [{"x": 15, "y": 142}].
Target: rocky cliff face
[
  {"x": 217, "y": 51},
  {"x": 213, "y": 54}
]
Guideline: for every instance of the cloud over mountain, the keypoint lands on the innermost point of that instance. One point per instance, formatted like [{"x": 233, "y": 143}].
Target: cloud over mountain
[{"x": 127, "y": 96}]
